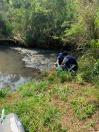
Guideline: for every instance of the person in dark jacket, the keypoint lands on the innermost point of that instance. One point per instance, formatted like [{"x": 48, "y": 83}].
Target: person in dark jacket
[
  {"x": 67, "y": 62},
  {"x": 60, "y": 58}
]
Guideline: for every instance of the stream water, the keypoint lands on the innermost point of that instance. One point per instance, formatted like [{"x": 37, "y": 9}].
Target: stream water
[{"x": 18, "y": 65}]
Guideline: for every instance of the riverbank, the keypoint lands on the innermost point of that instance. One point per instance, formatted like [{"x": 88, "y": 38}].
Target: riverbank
[{"x": 58, "y": 102}]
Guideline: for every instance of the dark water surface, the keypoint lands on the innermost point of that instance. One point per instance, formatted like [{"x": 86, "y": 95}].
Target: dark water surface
[{"x": 13, "y": 70}]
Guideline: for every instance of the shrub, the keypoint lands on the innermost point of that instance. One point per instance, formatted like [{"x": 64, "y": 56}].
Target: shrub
[
  {"x": 94, "y": 43},
  {"x": 96, "y": 68},
  {"x": 86, "y": 66}
]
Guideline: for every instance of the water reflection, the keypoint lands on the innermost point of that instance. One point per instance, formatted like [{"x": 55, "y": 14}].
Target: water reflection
[
  {"x": 12, "y": 80},
  {"x": 19, "y": 66}
]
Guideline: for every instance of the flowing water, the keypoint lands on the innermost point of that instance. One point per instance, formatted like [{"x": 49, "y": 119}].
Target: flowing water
[{"x": 19, "y": 65}]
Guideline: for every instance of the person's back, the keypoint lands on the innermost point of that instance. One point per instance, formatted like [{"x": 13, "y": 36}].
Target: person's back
[{"x": 69, "y": 63}]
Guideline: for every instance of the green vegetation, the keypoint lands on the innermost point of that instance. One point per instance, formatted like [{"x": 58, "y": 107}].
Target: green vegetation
[
  {"x": 60, "y": 101},
  {"x": 44, "y": 105},
  {"x": 5, "y": 92},
  {"x": 61, "y": 92},
  {"x": 51, "y": 23},
  {"x": 34, "y": 108},
  {"x": 82, "y": 108}
]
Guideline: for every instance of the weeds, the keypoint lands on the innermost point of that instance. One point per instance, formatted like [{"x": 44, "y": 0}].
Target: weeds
[
  {"x": 79, "y": 78},
  {"x": 41, "y": 86},
  {"x": 4, "y": 92},
  {"x": 51, "y": 78},
  {"x": 82, "y": 108},
  {"x": 61, "y": 92},
  {"x": 27, "y": 89},
  {"x": 64, "y": 76},
  {"x": 89, "y": 67},
  {"x": 33, "y": 88},
  {"x": 34, "y": 103},
  {"x": 36, "y": 113},
  {"x": 90, "y": 124},
  {"x": 51, "y": 115}
]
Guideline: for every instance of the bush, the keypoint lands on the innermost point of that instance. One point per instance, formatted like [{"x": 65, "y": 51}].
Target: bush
[
  {"x": 94, "y": 43},
  {"x": 86, "y": 66},
  {"x": 96, "y": 68},
  {"x": 89, "y": 67}
]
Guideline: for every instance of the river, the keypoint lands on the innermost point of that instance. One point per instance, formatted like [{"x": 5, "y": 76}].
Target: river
[{"x": 19, "y": 65}]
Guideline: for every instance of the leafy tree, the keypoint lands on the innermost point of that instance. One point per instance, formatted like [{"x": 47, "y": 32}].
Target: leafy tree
[{"x": 45, "y": 23}]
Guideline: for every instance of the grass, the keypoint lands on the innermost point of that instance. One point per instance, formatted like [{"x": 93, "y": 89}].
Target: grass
[
  {"x": 90, "y": 124},
  {"x": 59, "y": 102},
  {"x": 79, "y": 79},
  {"x": 61, "y": 76},
  {"x": 82, "y": 108},
  {"x": 35, "y": 112},
  {"x": 61, "y": 92},
  {"x": 35, "y": 107},
  {"x": 4, "y": 92},
  {"x": 36, "y": 104}
]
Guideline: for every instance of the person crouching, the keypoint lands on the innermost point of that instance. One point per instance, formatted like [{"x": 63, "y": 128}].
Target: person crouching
[{"x": 67, "y": 62}]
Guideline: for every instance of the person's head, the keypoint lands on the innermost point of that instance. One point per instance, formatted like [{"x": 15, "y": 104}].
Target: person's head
[{"x": 60, "y": 58}]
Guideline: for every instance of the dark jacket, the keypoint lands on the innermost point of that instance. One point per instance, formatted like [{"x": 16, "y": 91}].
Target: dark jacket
[{"x": 69, "y": 63}]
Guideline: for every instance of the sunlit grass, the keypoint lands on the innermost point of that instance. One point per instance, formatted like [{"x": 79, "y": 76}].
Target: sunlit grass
[{"x": 41, "y": 104}]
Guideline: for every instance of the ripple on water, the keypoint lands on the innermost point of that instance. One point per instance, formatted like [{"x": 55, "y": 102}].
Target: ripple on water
[{"x": 20, "y": 65}]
